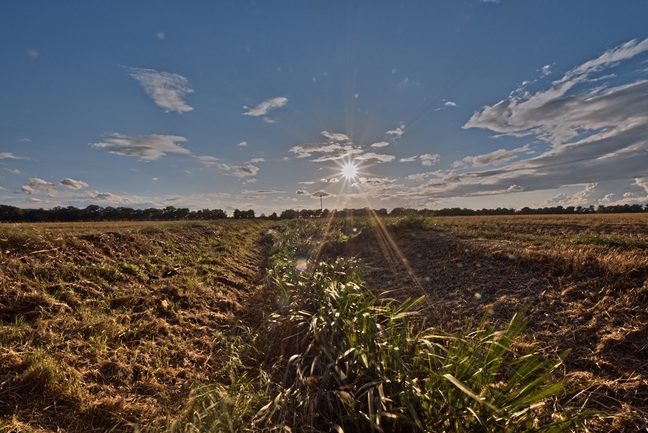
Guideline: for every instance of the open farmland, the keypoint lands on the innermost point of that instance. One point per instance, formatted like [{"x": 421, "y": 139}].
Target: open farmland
[{"x": 112, "y": 326}]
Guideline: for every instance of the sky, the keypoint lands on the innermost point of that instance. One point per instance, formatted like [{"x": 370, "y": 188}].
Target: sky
[{"x": 274, "y": 105}]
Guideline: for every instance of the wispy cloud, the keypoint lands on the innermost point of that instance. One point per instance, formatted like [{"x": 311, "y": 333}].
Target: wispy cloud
[
  {"x": 146, "y": 147},
  {"x": 166, "y": 89},
  {"x": 406, "y": 83},
  {"x": 497, "y": 157},
  {"x": 240, "y": 170},
  {"x": 263, "y": 108},
  {"x": 208, "y": 161},
  {"x": 594, "y": 130},
  {"x": 380, "y": 144},
  {"x": 378, "y": 157},
  {"x": 9, "y": 155},
  {"x": 558, "y": 115},
  {"x": 336, "y": 146}
]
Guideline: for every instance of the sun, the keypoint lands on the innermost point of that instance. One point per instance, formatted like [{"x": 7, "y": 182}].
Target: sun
[{"x": 349, "y": 170}]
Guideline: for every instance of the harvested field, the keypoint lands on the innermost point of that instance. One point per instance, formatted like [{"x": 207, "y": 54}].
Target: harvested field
[{"x": 108, "y": 327}]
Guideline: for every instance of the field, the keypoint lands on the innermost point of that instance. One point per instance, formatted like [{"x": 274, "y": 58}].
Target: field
[{"x": 150, "y": 327}]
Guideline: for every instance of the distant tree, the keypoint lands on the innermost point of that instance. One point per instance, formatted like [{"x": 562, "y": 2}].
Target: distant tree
[
  {"x": 289, "y": 214},
  {"x": 11, "y": 213}
]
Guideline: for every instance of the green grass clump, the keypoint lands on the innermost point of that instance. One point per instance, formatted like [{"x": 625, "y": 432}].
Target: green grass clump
[
  {"x": 608, "y": 241},
  {"x": 335, "y": 356}
]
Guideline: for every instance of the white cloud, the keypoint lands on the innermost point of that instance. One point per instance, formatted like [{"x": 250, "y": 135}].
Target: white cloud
[
  {"x": 242, "y": 144},
  {"x": 28, "y": 190},
  {"x": 396, "y": 133},
  {"x": 608, "y": 198},
  {"x": 410, "y": 159},
  {"x": 546, "y": 70},
  {"x": 13, "y": 170},
  {"x": 256, "y": 160},
  {"x": 643, "y": 183},
  {"x": 36, "y": 185},
  {"x": 585, "y": 196},
  {"x": 380, "y": 144},
  {"x": 263, "y": 108},
  {"x": 73, "y": 183},
  {"x": 450, "y": 104},
  {"x": 147, "y": 147},
  {"x": 337, "y": 137},
  {"x": 166, "y": 89},
  {"x": 429, "y": 159}
]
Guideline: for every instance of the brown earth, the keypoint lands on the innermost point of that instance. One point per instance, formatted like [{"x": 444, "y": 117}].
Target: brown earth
[{"x": 593, "y": 301}]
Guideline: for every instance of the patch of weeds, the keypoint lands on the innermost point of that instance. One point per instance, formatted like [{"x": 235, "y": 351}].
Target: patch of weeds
[
  {"x": 16, "y": 333},
  {"x": 607, "y": 241},
  {"x": 410, "y": 222},
  {"x": 134, "y": 270},
  {"x": 49, "y": 380}
]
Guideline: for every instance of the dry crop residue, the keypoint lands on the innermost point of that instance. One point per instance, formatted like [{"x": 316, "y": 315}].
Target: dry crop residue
[
  {"x": 590, "y": 300},
  {"x": 101, "y": 329}
]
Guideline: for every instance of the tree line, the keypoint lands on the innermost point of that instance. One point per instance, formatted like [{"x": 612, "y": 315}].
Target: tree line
[{"x": 171, "y": 213}]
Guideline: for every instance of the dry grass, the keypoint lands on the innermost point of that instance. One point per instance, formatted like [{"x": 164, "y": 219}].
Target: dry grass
[{"x": 106, "y": 325}]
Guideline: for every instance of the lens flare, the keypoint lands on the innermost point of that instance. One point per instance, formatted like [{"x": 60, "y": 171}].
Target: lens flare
[{"x": 301, "y": 265}]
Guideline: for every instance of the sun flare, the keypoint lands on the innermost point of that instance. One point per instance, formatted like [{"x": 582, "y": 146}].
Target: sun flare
[{"x": 349, "y": 170}]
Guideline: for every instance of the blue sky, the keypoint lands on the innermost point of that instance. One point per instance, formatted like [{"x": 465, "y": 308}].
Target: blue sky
[{"x": 261, "y": 104}]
